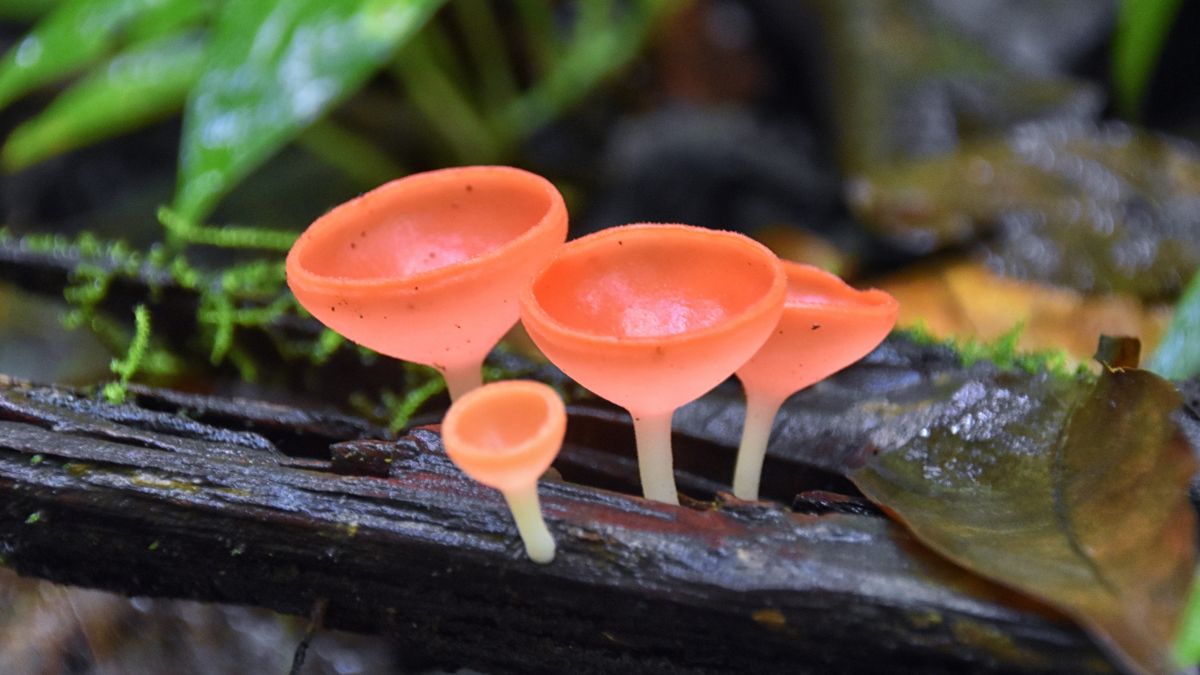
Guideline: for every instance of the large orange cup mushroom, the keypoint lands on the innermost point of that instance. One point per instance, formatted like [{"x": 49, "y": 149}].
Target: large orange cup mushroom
[
  {"x": 505, "y": 435},
  {"x": 826, "y": 326},
  {"x": 652, "y": 316},
  {"x": 428, "y": 268}
]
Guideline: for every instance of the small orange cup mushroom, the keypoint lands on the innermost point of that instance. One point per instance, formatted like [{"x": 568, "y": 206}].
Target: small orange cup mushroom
[
  {"x": 652, "y": 316},
  {"x": 505, "y": 435},
  {"x": 826, "y": 326},
  {"x": 428, "y": 268}
]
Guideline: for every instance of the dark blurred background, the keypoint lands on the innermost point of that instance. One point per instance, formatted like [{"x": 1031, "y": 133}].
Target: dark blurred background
[{"x": 992, "y": 163}]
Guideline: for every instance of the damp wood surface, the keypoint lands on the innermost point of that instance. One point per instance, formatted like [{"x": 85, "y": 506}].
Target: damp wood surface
[{"x": 176, "y": 495}]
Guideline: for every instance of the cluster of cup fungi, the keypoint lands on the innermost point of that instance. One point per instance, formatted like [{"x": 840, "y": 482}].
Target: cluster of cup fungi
[{"x": 436, "y": 267}]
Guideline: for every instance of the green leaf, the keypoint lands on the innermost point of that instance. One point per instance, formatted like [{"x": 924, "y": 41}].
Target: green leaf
[
  {"x": 70, "y": 38},
  {"x": 1187, "y": 642},
  {"x": 1079, "y": 500},
  {"x": 24, "y": 10},
  {"x": 602, "y": 42},
  {"x": 169, "y": 18},
  {"x": 135, "y": 88},
  {"x": 273, "y": 69},
  {"x": 1178, "y": 355},
  {"x": 1142, "y": 28}
]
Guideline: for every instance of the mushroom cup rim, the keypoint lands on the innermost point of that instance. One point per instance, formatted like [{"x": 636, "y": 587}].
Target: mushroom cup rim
[
  {"x": 877, "y": 301},
  {"x": 770, "y": 301},
  {"x": 552, "y": 428},
  {"x": 336, "y": 219}
]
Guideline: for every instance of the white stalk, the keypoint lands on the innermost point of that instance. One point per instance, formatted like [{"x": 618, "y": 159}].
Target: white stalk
[
  {"x": 462, "y": 378},
  {"x": 653, "y": 433},
  {"x": 760, "y": 417},
  {"x": 527, "y": 512}
]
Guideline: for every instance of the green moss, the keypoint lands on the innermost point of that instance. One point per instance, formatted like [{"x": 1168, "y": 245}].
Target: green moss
[
  {"x": 34, "y": 518},
  {"x": 125, "y": 368},
  {"x": 181, "y": 232},
  {"x": 431, "y": 384},
  {"x": 157, "y": 482},
  {"x": 1002, "y": 351},
  {"x": 421, "y": 384},
  {"x": 77, "y": 469},
  {"x": 247, "y": 295}
]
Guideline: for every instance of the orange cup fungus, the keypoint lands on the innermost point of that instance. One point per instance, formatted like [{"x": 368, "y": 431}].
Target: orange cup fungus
[
  {"x": 428, "y": 268},
  {"x": 826, "y": 326},
  {"x": 652, "y": 316},
  {"x": 505, "y": 435}
]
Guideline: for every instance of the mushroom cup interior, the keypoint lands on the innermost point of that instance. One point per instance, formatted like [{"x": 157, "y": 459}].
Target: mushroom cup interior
[
  {"x": 503, "y": 424},
  {"x": 651, "y": 283}
]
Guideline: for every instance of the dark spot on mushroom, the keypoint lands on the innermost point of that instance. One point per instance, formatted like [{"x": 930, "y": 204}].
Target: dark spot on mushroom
[
  {"x": 816, "y": 326},
  {"x": 362, "y": 233},
  {"x": 416, "y": 288},
  {"x": 458, "y": 326},
  {"x": 620, "y": 243},
  {"x": 360, "y": 316},
  {"x": 353, "y": 245},
  {"x": 332, "y": 308},
  {"x": 470, "y": 187}
]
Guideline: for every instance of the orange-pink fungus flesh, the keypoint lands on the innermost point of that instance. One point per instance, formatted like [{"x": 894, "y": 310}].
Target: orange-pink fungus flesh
[
  {"x": 428, "y": 268},
  {"x": 652, "y": 316},
  {"x": 505, "y": 434},
  {"x": 826, "y": 326}
]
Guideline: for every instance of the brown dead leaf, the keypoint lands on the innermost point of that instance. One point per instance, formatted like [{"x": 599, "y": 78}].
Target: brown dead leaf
[{"x": 965, "y": 299}]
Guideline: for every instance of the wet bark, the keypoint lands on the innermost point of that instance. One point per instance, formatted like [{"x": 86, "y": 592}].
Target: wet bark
[{"x": 232, "y": 501}]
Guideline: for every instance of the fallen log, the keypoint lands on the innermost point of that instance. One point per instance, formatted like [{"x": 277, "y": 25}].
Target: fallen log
[{"x": 230, "y": 501}]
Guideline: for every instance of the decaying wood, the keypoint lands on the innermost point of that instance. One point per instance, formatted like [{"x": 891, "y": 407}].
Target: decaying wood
[{"x": 242, "y": 502}]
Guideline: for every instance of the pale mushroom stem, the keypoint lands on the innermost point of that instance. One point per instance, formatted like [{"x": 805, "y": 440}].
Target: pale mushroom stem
[
  {"x": 462, "y": 378},
  {"x": 760, "y": 417},
  {"x": 653, "y": 434},
  {"x": 527, "y": 512}
]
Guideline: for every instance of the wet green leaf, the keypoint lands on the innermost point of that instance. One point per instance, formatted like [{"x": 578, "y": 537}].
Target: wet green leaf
[
  {"x": 1142, "y": 28},
  {"x": 273, "y": 69},
  {"x": 139, "y": 86},
  {"x": 1098, "y": 208},
  {"x": 1080, "y": 499},
  {"x": 74, "y": 35},
  {"x": 1178, "y": 356},
  {"x": 1008, "y": 472}
]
